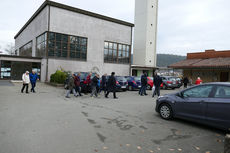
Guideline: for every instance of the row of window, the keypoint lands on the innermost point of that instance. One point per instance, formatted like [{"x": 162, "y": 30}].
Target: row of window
[
  {"x": 116, "y": 53},
  {"x": 26, "y": 50},
  {"x": 74, "y": 47},
  {"x": 41, "y": 45}
]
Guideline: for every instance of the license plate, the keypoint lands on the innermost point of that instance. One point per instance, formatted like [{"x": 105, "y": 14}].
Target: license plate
[
  {"x": 139, "y": 86},
  {"x": 123, "y": 87}
]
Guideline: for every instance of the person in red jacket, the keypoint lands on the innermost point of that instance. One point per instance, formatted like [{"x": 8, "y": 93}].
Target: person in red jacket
[
  {"x": 198, "y": 81},
  {"x": 77, "y": 83},
  {"x": 88, "y": 82}
]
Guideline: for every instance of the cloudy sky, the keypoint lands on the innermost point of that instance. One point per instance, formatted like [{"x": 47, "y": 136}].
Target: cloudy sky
[{"x": 183, "y": 25}]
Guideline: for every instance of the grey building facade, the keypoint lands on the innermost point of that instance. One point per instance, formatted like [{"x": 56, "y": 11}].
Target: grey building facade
[{"x": 75, "y": 40}]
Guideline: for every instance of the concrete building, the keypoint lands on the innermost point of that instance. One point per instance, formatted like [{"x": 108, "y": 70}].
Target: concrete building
[
  {"x": 75, "y": 40},
  {"x": 210, "y": 66},
  {"x": 145, "y": 37}
]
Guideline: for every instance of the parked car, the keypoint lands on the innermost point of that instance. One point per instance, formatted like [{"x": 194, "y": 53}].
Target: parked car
[
  {"x": 169, "y": 82},
  {"x": 133, "y": 82},
  {"x": 150, "y": 83},
  {"x": 206, "y": 103},
  {"x": 123, "y": 82},
  {"x": 179, "y": 82}
]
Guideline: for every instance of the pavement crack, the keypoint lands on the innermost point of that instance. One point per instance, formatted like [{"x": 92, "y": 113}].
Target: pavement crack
[
  {"x": 91, "y": 121},
  {"x": 101, "y": 137},
  {"x": 172, "y": 137}
]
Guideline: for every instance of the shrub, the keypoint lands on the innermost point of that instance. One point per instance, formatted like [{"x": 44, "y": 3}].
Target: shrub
[{"x": 58, "y": 77}]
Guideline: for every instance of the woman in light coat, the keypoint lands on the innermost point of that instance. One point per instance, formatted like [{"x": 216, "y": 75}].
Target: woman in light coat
[{"x": 26, "y": 81}]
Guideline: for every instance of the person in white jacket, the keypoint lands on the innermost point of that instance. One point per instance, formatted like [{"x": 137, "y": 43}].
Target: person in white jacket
[{"x": 26, "y": 81}]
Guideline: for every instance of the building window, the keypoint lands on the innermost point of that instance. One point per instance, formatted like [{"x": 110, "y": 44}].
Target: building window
[
  {"x": 41, "y": 45},
  {"x": 5, "y": 70},
  {"x": 66, "y": 46},
  {"x": 26, "y": 50},
  {"x": 116, "y": 53}
]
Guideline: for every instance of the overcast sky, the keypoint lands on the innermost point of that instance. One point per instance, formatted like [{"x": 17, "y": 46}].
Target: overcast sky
[{"x": 183, "y": 25}]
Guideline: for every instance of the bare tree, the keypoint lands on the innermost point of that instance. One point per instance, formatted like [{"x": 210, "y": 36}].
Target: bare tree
[{"x": 10, "y": 49}]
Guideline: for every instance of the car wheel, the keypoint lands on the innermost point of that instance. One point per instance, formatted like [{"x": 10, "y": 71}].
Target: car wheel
[
  {"x": 164, "y": 87},
  {"x": 148, "y": 87},
  {"x": 130, "y": 88},
  {"x": 165, "y": 111}
]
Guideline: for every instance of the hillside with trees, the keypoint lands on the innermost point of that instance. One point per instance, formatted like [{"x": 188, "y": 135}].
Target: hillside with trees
[{"x": 164, "y": 60}]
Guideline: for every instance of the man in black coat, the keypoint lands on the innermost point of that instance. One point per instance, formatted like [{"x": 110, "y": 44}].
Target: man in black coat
[
  {"x": 144, "y": 83},
  {"x": 185, "y": 81},
  {"x": 94, "y": 83},
  {"x": 103, "y": 83},
  {"x": 111, "y": 86},
  {"x": 157, "y": 83}
]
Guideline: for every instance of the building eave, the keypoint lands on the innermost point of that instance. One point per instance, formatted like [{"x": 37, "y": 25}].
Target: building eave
[{"x": 73, "y": 9}]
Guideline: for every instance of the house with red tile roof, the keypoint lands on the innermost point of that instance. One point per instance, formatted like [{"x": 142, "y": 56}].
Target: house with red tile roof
[{"x": 210, "y": 66}]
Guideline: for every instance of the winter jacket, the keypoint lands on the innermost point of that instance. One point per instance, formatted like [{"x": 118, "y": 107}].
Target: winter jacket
[
  {"x": 77, "y": 81},
  {"x": 94, "y": 81},
  {"x": 88, "y": 80},
  {"x": 144, "y": 80},
  {"x": 112, "y": 83},
  {"x": 103, "y": 81},
  {"x": 198, "y": 81},
  {"x": 33, "y": 77},
  {"x": 71, "y": 84},
  {"x": 26, "y": 78},
  {"x": 157, "y": 81},
  {"x": 185, "y": 81}
]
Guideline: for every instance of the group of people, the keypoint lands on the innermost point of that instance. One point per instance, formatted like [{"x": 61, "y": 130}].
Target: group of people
[
  {"x": 28, "y": 78},
  {"x": 187, "y": 81},
  {"x": 157, "y": 81},
  {"x": 95, "y": 85}
]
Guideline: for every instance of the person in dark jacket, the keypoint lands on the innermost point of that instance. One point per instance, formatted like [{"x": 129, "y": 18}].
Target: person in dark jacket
[
  {"x": 94, "y": 85},
  {"x": 71, "y": 86},
  {"x": 77, "y": 81},
  {"x": 103, "y": 83},
  {"x": 33, "y": 80},
  {"x": 144, "y": 84},
  {"x": 185, "y": 81},
  {"x": 111, "y": 86},
  {"x": 157, "y": 83}
]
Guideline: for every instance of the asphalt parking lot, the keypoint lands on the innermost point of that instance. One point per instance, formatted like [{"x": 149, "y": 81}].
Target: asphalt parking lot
[{"x": 47, "y": 122}]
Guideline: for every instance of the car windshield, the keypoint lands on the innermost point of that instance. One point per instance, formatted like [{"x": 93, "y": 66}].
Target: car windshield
[
  {"x": 172, "y": 79},
  {"x": 137, "y": 78},
  {"x": 121, "y": 78}
]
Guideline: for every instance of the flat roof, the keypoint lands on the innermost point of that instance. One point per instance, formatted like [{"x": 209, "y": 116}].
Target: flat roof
[
  {"x": 15, "y": 56},
  {"x": 70, "y": 8}
]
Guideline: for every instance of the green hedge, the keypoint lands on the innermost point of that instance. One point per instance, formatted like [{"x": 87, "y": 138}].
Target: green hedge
[{"x": 58, "y": 77}]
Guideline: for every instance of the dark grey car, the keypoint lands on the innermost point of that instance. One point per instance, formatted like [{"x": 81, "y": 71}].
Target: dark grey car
[
  {"x": 207, "y": 104},
  {"x": 169, "y": 82}
]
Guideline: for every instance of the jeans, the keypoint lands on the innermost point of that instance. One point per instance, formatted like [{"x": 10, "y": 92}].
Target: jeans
[
  {"x": 68, "y": 92},
  {"x": 77, "y": 89},
  {"x": 157, "y": 91},
  {"x": 33, "y": 84},
  {"x": 143, "y": 90},
  {"x": 94, "y": 91},
  {"x": 23, "y": 87}
]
